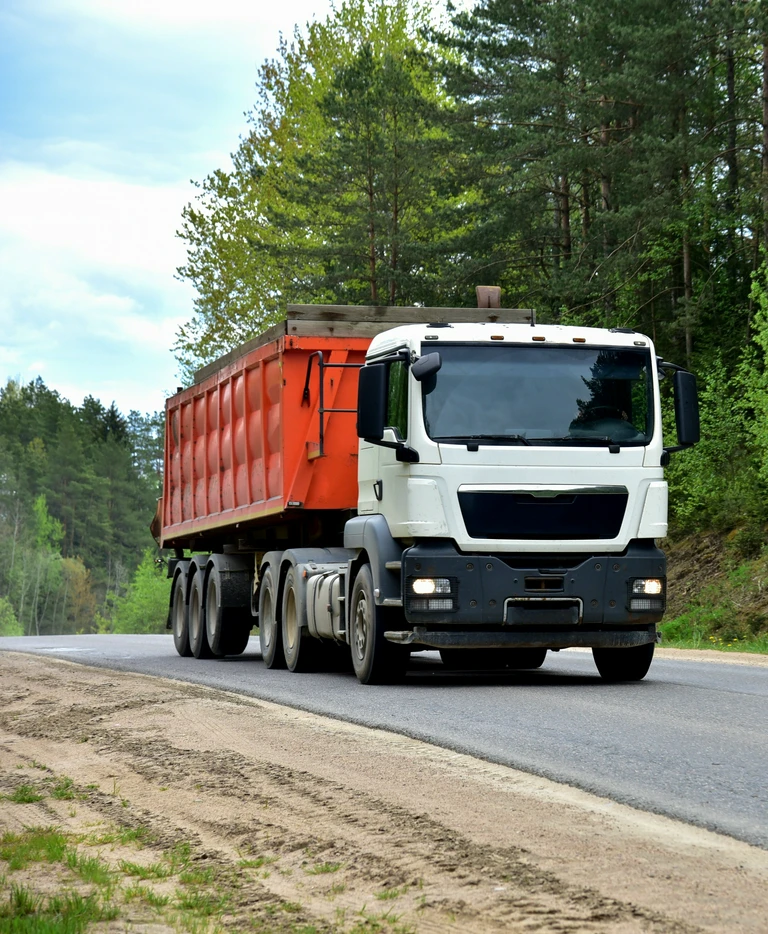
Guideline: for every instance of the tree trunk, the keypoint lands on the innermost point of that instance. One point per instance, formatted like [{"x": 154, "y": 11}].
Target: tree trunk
[
  {"x": 557, "y": 245},
  {"x": 731, "y": 161},
  {"x": 565, "y": 217},
  {"x": 764, "y": 165}
]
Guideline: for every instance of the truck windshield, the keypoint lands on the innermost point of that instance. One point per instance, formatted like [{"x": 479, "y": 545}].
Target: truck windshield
[{"x": 510, "y": 394}]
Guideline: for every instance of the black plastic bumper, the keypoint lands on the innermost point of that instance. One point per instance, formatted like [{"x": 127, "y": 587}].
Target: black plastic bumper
[{"x": 570, "y": 601}]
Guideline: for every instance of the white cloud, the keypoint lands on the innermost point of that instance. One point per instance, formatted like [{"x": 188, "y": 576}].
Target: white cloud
[
  {"x": 87, "y": 294},
  {"x": 186, "y": 15},
  {"x": 107, "y": 223}
]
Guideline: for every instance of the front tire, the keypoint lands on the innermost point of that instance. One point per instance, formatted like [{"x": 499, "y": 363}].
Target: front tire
[
  {"x": 180, "y": 616},
  {"x": 270, "y": 634},
  {"x": 630, "y": 664},
  {"x": 374, "y": 660}
]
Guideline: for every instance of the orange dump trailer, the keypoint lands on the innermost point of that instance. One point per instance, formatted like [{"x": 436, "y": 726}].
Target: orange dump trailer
[{"x": 264, "y": 440}]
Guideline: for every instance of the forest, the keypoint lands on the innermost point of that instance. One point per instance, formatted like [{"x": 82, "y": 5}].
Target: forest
[
  {"x": 603, "y": 169},
  {"x": 78, "y": 488}
]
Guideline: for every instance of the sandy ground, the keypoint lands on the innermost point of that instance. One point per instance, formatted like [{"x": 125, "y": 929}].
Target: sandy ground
[{"x": 344, "y": 816}]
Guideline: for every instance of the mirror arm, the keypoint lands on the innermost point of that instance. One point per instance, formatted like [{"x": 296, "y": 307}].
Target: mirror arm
[
  {"x": 673, "y": 450},
  {"x": 405, "y": 454}
]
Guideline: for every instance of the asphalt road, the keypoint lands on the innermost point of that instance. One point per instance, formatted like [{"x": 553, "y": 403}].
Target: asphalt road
[{"x": 690, "y": 741}]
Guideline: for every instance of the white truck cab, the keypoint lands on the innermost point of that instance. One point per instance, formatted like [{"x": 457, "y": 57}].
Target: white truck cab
[{"x": 510, "y": 493}]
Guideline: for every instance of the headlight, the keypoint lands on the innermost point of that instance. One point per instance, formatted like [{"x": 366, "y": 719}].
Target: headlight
[
  {"x": 648, "y": 585},
  {"x": 432, "y": 594},
  {"x": 646, "y": 595},
  {"x": 425, "y": 585}
]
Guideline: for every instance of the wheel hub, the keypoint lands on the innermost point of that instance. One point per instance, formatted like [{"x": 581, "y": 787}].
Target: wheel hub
[{"x": 361, "y": 626}]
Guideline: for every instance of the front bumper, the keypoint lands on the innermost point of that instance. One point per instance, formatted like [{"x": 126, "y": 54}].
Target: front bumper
[{"x": 531, "y": 600}]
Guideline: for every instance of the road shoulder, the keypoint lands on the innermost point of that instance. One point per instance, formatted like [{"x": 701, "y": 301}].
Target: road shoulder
[{"x": 352, "y": 820}]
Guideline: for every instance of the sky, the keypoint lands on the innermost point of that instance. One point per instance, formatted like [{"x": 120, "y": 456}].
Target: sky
[{"x": 108, "y": 110}]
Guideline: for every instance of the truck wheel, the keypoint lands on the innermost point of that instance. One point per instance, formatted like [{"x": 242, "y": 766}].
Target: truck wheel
[
  {"x": 374, "y": 660},
  {"x": 179, "y": 616},
  {"x": 270, "y": 636},
  {"x": 630, "y": 664},
  {"x": 198, "y": 640},
  {"x": 298, "y": 645},
  {"x": 214, "y": 613}
]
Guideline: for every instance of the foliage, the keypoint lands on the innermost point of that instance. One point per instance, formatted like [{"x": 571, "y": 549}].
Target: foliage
[
  {"x": 333, "y": 195},
  {"x": 728, "y": 610},
  {"x": 144, "y": 607},
  {"x": 77, "y": 493},
  {"x": 9, "y": 625}
]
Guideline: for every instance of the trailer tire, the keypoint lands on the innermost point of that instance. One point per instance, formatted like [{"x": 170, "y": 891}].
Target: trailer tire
[
  {"x": 198, "y": 638},
  {"x": 298, "y": 646},
  {"x": 374, "y": 660},
  {"x": 630, "y": 664},
  {"x": 228, "y": 628},
  {"x": 180, "y": 616},
  {"x": 270, "y": 636}
]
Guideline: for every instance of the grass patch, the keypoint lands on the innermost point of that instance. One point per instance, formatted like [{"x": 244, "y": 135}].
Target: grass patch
[
  {"x": 178, "y": 857},
  {"x": 34, "y": 845},
  {"x": 146, "y": 894},
  {"x": 139, "y": 836},
  {"x": 321, "y": 868},
  {"x": 388, "y": 894},
  {"x": 158, "y": 870},
  {"x": 89, "y": 868},
  {"x": 25, "y": 794},
  {"x": 201, "y": 903},
  {"x": 197, "y": 876},
  {"x": 25, "y": 912},
  {"x": 64, "y": 790}
]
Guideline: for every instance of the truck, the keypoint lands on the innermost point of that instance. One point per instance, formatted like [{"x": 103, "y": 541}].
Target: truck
[{"x": 364, "y": 483}]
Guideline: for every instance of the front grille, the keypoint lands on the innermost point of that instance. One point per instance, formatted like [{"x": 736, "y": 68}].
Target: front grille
[{"x": 566, "y": 517}]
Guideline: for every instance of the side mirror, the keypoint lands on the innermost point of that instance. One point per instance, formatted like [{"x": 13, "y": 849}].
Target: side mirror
[
  {"x": 686, "y": 408},
  {"x": 372, "y": 401},
  {"x": 426, "y": 366}
]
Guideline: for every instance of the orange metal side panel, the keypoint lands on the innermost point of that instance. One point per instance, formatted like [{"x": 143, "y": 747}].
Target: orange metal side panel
[{"x": 242, "y": 446}]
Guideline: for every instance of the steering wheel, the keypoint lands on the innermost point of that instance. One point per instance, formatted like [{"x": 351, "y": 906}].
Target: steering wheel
[{"x": 611, "y": 411}]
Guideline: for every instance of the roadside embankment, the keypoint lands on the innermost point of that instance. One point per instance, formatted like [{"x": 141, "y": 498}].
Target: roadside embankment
[{"x": 166, "y": 806}]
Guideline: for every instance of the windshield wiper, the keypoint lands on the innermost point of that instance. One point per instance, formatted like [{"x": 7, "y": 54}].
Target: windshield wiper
[
  {"x": 591, "y": 439},
  {"x": 483, "y": 439}
]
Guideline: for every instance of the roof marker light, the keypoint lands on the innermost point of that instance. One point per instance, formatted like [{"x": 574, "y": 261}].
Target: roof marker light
[
  {"x": 538, "y": 337},
  {"x": 580, "y": 340}
]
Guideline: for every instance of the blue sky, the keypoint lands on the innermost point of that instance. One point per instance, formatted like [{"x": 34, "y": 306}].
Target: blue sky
[{"x": 107, "y": 109}]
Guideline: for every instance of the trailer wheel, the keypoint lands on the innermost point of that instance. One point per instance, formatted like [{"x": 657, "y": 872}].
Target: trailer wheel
[
  {"x": 270, "y": 635},
  {"x": 180, "y": 616},
  {"x": 298, "y": 645},
  {"x": 198, "y": 639},
  {"x": 374, "y": 660},
  {"x": 630, "y": 664},
  {"x": 214, "y": 613}
]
